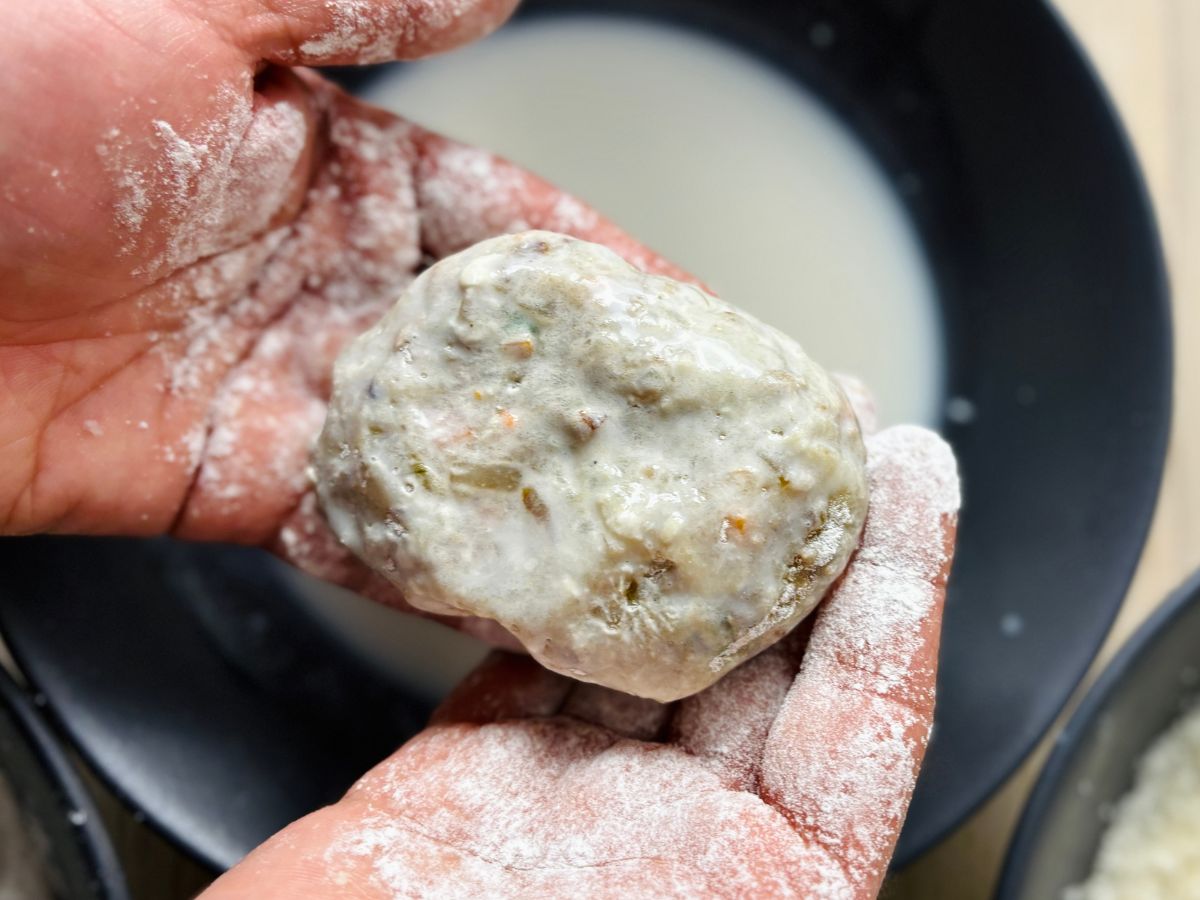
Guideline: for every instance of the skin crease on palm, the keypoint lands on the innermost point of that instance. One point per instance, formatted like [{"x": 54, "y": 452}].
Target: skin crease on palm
[{"x": 191, "y": 230}]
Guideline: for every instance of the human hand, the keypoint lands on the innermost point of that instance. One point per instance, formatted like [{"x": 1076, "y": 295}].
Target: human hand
[
  {"x": 190, "y": 238},
  {"x": 790, "y": 777},
  {"x": 178, "y": 270}
]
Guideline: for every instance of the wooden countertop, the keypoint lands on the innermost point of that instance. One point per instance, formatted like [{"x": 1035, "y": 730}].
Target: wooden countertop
[{"x": 1142, "y": 50}]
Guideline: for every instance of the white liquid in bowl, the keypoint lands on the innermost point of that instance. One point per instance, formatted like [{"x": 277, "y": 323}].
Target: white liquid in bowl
[{"x": 719, "y": 162}]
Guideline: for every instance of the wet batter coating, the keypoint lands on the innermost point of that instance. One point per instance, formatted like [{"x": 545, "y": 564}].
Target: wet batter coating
[{"x": 643, "y": 484}]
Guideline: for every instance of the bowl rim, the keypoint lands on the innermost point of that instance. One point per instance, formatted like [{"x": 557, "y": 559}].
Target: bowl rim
[
  {"x": 92, "y": 840},
  {"x": 1082, "y": 722}
]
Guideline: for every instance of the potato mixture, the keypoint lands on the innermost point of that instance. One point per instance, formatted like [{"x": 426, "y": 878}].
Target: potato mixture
[{"x": 643, "y": 484}]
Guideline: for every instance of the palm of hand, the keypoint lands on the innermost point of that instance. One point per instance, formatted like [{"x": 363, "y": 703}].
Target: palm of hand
[{"x": 789, "y": 777}]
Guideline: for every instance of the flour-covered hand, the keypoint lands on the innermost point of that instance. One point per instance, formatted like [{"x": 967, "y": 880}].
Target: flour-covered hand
[{"x": 789, "y": 778}]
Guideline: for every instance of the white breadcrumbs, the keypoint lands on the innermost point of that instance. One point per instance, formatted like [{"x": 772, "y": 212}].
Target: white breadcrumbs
[{"x": 1151, "y": 851}]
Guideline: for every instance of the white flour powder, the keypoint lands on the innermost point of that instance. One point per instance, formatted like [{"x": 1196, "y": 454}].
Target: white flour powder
[{"x": 1152, "y": 849}]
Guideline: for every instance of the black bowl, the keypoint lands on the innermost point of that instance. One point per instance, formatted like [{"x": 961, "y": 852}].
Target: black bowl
[
  {"x": 1154, "y": 678},
  {"x": 190, "y": 676},
  {"x": 66, "y": 831}
]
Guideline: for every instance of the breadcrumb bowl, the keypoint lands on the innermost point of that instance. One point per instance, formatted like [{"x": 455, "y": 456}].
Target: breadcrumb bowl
[{"x": 1150, "y": 685}]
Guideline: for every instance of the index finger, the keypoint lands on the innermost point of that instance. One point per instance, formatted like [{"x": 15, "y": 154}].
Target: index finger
[{"x": 842, "y": 756}]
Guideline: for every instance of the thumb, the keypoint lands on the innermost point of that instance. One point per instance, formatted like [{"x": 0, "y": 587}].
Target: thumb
[{"x": 356, "y": 32}]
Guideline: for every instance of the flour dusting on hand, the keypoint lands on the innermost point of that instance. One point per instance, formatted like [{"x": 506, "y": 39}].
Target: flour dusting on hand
[
  {"x": 208, "y": 188},
  {"x": 369, "y": 31}
]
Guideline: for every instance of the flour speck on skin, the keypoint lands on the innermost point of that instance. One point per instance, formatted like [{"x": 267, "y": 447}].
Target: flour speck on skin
[
  {"x": 230, "y": 472},
  {"x": 182, "y": 159},
  {"x": 473, "y": 195},
  {"x": 572, "y": 216},
  {"x": 132, "y": 203},
  {"x": 132, "y": 196},
  {"x": 726, "y": 726},
  {"x": 370, "y": 32},
  {"x": 190, "y": 447},
  {"x": 355, "y": 30},
  {"x": 209, "y": 298},
  {"x": 225, "y": 184},
  {"x": 212, "y": 186}
]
